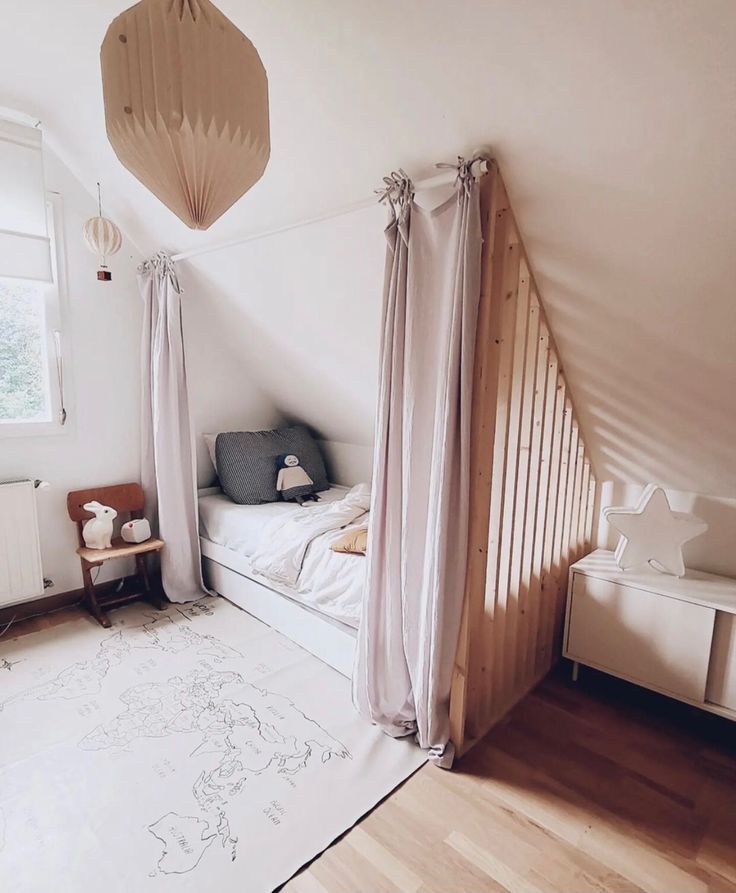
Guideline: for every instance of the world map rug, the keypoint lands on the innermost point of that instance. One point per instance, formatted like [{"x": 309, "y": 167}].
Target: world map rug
[{"x": 189, "y": 749}]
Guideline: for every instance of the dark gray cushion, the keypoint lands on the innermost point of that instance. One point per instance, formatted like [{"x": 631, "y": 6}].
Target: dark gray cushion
[{"x": 246, "y": 462}]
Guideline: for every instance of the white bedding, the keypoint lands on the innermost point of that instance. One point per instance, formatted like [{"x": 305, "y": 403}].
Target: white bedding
[
  {"x": 285, "y": 541},
  {"x": 329, "y": 582}
]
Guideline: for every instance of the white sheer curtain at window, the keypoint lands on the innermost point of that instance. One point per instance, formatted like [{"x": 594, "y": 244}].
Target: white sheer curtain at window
[
  {"x": 168, "y": 469},
  {"x": 419, "y": 514}
]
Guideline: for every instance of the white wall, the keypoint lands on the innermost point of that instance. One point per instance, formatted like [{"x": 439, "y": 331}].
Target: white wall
[
  {"x": 223, "y": 379},
  {"x": 287, "y": 329},
  {"x": 714, "y": 551},
  {"x": 101, "y": 327}
]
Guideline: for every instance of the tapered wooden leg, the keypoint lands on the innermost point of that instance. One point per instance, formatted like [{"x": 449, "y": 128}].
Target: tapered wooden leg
[
  {"x": 90, "y": 599},
  {"x": 141, "y": 563}
]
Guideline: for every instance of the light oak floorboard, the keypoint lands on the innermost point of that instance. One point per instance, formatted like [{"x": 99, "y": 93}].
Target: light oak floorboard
[{"x": 584, "y": 788}]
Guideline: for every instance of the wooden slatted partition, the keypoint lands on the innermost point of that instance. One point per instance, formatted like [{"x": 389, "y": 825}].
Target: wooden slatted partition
[{"x": 533, "y": 496}]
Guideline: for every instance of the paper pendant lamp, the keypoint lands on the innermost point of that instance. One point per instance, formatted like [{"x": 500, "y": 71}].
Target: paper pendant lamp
[{"x": 186, "y": 105}]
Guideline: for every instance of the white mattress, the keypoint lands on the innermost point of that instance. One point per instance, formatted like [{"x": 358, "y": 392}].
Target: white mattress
[{"x": 330, "y": 582}]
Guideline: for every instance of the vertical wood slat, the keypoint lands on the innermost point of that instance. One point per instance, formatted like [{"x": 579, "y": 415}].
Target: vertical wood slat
[
  {"x": 523, "y": 542},
  {"x": 579, "y": 500},
  {"x": 533, "y": 493},
  {"x": 505, "y": 632},
  {"x": 584, "y": 500},
  {"x": 504, "y": 291},
  {"x": 548, "y": 583},
  {"x": 514, "y": 550},
  {"x": 547, "y": 498},
  {"x": 570, "y": 497},
  {"x": 504, "y": 288},
  {"x": 483, "y": 420},
  {"x": 589, "y": 520},
  {"x": 535, "y": 507},
  {"x": 558, "y": 547},
  {"x": 563, "y": 557}
]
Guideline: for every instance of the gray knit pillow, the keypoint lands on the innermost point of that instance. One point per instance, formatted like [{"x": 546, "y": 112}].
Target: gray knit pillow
[{"x": 246, "y": 462}]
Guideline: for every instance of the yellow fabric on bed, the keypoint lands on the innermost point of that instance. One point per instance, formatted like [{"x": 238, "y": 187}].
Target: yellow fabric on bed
[{"x": 354, "y": 542}]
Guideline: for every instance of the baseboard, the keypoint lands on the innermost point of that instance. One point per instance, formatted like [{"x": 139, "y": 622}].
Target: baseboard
[{"x": 49, "y": 603}]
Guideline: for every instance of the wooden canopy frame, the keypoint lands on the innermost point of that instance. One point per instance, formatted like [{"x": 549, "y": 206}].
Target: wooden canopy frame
[{"x": 533, "y": 494}]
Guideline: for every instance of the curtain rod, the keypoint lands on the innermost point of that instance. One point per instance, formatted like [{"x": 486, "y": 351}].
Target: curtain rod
[{"x": 443, "y": 179}]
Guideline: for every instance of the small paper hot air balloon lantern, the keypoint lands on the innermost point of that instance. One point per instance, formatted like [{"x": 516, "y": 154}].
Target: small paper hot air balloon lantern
[{"x": 103, "y": 238}]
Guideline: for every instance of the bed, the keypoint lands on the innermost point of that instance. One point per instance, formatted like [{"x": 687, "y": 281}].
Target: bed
[{"x": 321, "y": 610}]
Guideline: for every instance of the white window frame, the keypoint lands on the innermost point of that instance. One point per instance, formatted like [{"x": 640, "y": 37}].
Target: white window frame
[{"x": 55, "y": 317}]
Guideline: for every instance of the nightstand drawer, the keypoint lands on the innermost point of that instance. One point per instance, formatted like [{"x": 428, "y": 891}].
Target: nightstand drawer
[
  {"x": 721, "y": 688},
  {"x": 663, "y": 643}
]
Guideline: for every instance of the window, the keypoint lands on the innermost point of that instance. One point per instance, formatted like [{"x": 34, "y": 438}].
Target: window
[
  {"x": 31, "y": 360},
  {"x": 24, "y": 386}
]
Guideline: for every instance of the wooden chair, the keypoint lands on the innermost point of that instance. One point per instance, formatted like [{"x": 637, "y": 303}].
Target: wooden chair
[{"x": 126, "y": 499}]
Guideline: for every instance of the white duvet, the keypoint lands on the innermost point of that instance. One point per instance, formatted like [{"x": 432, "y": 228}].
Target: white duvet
[
  {"x": 283, "y": 547},
  {"x": 330, "y": 582}
]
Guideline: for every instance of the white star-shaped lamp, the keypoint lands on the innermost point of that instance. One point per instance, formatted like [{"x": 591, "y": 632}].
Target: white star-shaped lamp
[{"x": 652, "y": 533}]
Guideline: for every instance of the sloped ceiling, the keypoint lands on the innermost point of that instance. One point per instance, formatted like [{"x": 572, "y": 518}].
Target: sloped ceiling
[{"x": 614, "y": 122}]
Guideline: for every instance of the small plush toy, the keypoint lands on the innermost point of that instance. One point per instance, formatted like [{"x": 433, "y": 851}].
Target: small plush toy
[{"x": 292, "y": 481}]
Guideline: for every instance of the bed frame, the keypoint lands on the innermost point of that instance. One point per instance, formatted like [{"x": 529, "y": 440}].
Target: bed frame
[{"x": 329, "y": 640}]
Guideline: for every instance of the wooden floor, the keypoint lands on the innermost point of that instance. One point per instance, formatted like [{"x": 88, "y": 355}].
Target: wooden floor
[
  {"x": 590, "y": 787},
  {"x": 593, "y": 787}
]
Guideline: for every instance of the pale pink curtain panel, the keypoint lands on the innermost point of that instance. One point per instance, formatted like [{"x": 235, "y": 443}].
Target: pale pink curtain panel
[
  {"x": 419, "y": 513},
  {"x": 167, "y": 461}
]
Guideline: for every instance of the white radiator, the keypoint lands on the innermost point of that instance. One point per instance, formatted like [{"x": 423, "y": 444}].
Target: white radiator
[{"x": 21, "y": 575}]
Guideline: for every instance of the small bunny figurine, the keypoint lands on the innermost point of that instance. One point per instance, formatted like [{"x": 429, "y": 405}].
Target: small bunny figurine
[{"x": 97, "y": 532}]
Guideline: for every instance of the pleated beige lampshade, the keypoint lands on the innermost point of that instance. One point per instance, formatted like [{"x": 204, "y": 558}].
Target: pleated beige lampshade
[{"x": 186, "y": 105}]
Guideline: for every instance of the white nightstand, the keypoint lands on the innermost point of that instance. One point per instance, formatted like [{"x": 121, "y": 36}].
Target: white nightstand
[{"x": 674, "y": 635}]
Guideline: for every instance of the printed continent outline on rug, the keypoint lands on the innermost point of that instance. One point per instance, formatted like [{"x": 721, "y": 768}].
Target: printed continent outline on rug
[
  {"x": 245, "y": 743},
  {"x": 86, "y": 677},
  {"x": 185, "y": 839},
  {"x": 202, "y": 735}
]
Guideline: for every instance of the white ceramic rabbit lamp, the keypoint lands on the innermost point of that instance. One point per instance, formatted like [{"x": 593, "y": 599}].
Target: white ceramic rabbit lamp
[{"x": 97, "y": 532}]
